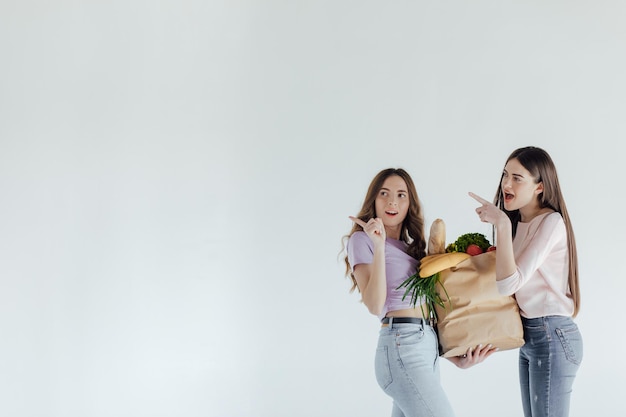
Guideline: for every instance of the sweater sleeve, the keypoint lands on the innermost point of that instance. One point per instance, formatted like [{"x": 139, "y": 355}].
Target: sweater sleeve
[{"x": 533, "y": 251}]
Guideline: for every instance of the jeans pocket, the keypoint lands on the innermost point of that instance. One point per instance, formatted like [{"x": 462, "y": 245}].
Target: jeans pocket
[
  {"x": 412, "y": 337},
  {"x": 572, "y": 343},
  {"x": 383, "y": 369}
]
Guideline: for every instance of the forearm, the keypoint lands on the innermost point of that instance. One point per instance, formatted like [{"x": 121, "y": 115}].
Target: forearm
[{"x": 505, "y": 258}]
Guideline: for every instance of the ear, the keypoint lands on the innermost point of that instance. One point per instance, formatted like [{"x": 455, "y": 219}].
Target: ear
[{"x": 539, "y": 188}]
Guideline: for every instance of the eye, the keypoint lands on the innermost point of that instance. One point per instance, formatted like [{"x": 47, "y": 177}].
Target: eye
[
  {"x": 383, "y": 193},
  {"x": 402, "y": 195}
]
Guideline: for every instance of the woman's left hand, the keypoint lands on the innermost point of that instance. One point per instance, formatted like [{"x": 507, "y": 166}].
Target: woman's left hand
[{"x": 473, "y": 356}]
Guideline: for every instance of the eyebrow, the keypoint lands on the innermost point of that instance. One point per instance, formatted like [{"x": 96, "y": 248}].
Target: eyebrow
[
  {"x": 515, "y": 175},
  {"x": 387, "y": 189}
]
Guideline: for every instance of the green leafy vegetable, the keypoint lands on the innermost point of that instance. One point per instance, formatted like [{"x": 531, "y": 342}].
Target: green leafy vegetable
[{"x": 461, "y": 244}]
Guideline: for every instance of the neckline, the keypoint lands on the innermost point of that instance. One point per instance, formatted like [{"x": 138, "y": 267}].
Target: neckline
[{"x": 538, "y": 216}]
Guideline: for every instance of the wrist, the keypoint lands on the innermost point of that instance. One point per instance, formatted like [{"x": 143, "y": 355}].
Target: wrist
[{"x": 503, "y": 224}]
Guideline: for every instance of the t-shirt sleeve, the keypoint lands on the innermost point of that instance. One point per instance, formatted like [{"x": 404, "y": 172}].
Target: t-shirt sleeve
[{"x": 360, "y": 249}]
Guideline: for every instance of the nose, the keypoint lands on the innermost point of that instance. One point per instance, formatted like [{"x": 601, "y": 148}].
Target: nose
[{"x": 392, "y": 202}]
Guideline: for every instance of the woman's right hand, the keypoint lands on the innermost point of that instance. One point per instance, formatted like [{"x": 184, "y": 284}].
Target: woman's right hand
[
  {"x": 374, "y": 228},
  {"x": 473, "y": 356},
  {"x": 489, "y": 212}
]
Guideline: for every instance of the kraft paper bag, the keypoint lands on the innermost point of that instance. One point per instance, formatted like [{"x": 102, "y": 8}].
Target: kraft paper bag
[{"x": 475, "y": 312}]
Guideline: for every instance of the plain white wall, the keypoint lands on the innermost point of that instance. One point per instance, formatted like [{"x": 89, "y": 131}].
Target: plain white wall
[{"x": 176, "y": 176}]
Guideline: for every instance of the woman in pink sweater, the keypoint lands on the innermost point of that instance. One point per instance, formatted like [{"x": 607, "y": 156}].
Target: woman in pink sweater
[{"x": 536, "y": 260}]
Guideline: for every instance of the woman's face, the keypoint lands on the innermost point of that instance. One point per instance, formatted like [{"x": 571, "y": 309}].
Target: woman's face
[
  {"x": 518, "y": 187},
  {"x": 392, "y": 202}
]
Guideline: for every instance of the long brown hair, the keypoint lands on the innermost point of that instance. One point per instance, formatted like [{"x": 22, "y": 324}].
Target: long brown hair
[
  {"x": 412, "y": 230},
  {"x": 541, "y": 167}
]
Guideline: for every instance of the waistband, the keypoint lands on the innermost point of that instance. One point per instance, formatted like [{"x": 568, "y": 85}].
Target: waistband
[{"x": 538, "y": 321}]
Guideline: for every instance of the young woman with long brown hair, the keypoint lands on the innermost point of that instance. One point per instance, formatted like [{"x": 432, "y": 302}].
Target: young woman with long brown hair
[{"x": 536, "y": 260}]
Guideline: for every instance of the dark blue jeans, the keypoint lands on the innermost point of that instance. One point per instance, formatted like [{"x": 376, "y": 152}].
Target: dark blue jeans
[{"x": 548, "y": 363}]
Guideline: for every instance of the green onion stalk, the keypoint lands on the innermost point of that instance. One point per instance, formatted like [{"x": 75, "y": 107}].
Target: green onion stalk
[{"x": 425, "y": 288}]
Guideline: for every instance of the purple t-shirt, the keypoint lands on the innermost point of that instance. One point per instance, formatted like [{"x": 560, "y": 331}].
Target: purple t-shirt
[{"x": 398, "y": 267}]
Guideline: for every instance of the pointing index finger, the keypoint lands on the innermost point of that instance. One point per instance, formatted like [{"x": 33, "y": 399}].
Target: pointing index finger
[
  {"x": 479, "y": 199},
  {"x": 358, "y": 221}
]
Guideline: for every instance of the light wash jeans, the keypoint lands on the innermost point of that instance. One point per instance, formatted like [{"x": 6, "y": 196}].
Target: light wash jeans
[
  {"x": 548, "y": 362},
  {"x": 407, "y": 369}
]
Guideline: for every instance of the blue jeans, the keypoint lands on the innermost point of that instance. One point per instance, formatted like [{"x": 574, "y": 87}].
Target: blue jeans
[
  {"x": 548, "y": 362},
  {"x": 407, "y": 369}
]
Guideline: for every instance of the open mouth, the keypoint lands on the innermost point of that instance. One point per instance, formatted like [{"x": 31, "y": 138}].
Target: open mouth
[
  {"x": 391, "y": 213},
  {"x": 508, "y": 197}
]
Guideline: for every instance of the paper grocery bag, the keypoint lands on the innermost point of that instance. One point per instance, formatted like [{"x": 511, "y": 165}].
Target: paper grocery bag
[{"x": 475, "y": 312}]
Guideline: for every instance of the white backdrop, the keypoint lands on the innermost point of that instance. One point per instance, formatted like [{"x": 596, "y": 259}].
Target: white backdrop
[{"x": 176, "y": 176}]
